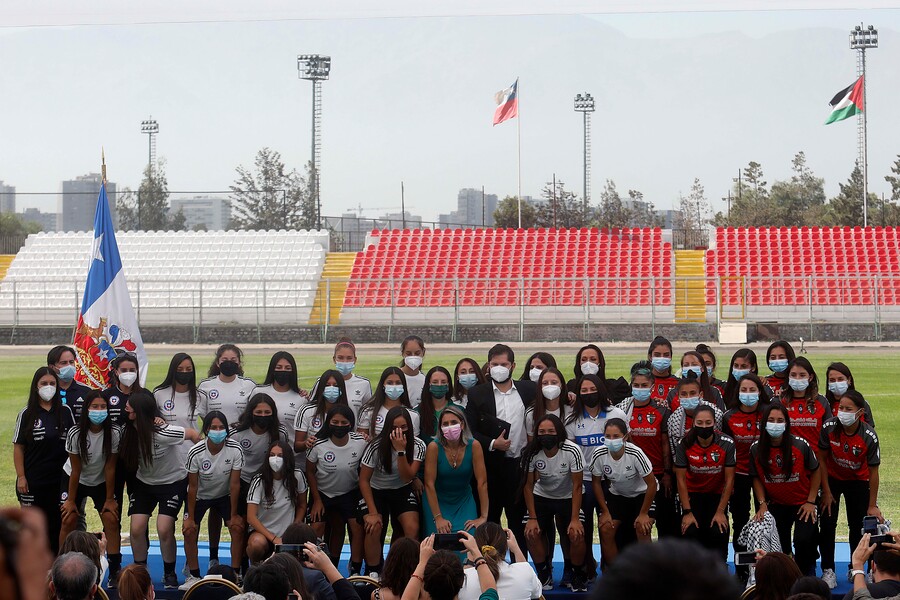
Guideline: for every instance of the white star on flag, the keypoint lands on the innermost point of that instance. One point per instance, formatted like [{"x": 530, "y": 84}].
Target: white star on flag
[{"x": 95, "y": 250}]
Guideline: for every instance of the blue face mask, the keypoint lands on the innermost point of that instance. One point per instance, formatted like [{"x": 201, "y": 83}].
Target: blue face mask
[
  {"x": 738, "y": 373},
  {"x": 217, "y": 436},
  {"x": 748, "y": 398},
  {"x": 778, "y": 365},
  {"x": 468, "y": 380},
  {"x": 661, "y": 363},
  {"x": 345, "y": 368},
  {"x": 331, "y": 393},
  {"x": 67, "y": 373},
  {"x": 393, "y": 391},
  {"x": 640, "y": 394},
  {"x": 97, "y": 416},
  {"x": 798, "y": 385},
  {"x": 614, "y": 445},
  {"x": 695, "y": 370},
  {"x": 709, "y": 371},
  {"x": 690, "y": 403},
  {"x": 838, "y": 388},
  {"x": 776, "y": 430}
]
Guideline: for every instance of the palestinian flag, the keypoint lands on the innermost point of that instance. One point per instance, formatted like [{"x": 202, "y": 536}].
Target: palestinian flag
[{"x": 847, "y": 102}]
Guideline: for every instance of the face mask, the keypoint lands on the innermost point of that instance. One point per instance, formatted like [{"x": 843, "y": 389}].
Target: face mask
[
  {"x": 551, "y": 392},
  {"x": 217, "y": 436},
  {"x": 838, "y": 388},
  {"x": 229, "y": 368},
  {"x": 468, "y": 380},
  {"x": 690, "y": 403},
  {"x": 345, "y": 368},
  {"x": 67, "y": 373},
  {"x": 704, "y": 432},
  {"x": 640, "y": 394},
  {"x": 340, "y": 431},
  {"x": 47, "y": 392},
  {"x": 695, "y": 370},
  {"x": 452, "y": 432},
  {"x": 738, "y": 373},
  {"x": 127, "y": 378},
  {"x": 614, "y": 445},
  {"x": 534, "y": 374},
  {"x": 393, "y": 391},
  {"x": 547, "y": 441},
  {"x": 184, "y": 378},
  {"x": 847, "y": 418},
  {"x": 798, "y": 385},
  {"x": 499, "y": 374},
  {"x": 413, "y": 362},
  {"x": 331, "y": 393},
  {"x": 709, "y": 371},
  {"x": 661, "y": 363},
  {"x": 262, "y": 421},
  {"x": 281, "y": 377},
  {"x": 776, "y": 430},
  {"x": 778, "y": 365},
  {"x": 589, "y": 368},
  {"x": 748, "y": 398},
  {"x": 97, "y": 416},
  {"x": 276, "y": 462},
  {"x": 439, "y": 391},
  {"x": 591, "y": 400}
]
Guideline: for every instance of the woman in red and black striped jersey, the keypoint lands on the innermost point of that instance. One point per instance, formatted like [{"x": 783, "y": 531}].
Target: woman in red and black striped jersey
[
  {"x": 704, "y": 467},
  {"x": 660, "y": 356},
  {"x": 840, "y": 380},
  {"x": 786, "y": 480},
  {"x": 806, "y": 407},
  {"x": 778, "y": 357},
  {"x": 851, "y": 454}
]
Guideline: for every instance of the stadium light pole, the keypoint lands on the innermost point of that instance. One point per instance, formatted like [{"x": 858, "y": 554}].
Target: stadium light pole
[
  {"x": 585, "y": 105},
  {"x": 862, "y": 38},
  {"x": 315, "y": 68},
  {"x": 151, "y": 128}
]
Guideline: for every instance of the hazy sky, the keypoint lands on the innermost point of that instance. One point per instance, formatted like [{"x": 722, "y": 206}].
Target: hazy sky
[{"x": 679, "y": 95}]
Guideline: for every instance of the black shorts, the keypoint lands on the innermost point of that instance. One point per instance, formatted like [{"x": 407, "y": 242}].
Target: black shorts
[
  {"x": 242, "y": 499},
  {"x": 345, "y": 505},
  {"x": 223, "y": 505},
  {"x": 625, "y": 509},
  {"x": 144, "y": 499},
  {"x": 97, "y": 493},
  {"x": 549, "y": 508},
  {"x": 392, "y": 502}
]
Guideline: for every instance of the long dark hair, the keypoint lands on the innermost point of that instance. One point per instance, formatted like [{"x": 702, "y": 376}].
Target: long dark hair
[
  {"x": 384, "y": 438},
  {"x": 32, "y": 409},
  {"x": 843, "y": 370},
  {"x": 492, "y": 538},
  {"x": 338, "y": 409},
  {"x": 544, "y": 357},
  {"x": 705, "y": 388},
  {"x": 378, "y": 398},
  {"x": 406, "y": 341},
  {"x": 788, "y": 352},
  {"x": 656, "y": 343},
  {"x": 169, "y": 381},
  {"x": 322, "y": 405},
  {"x": 690, "y": 378},
  {"x": 270, "y": 372},
  {"x": 690, "y": 438},
  {"x": 214, "y": 367},
  {"x": 114, "y": 365},
  {"x": 857, "y": 399},
  {"x": 137, "y": 437},
  {"x": 602, "y": 364},
  {"x": 460, "y": 388},
  {"x": 705, "y": 349},
  {"x": 84, "y": 425},
  {"x": 578, "y": 407},
  {"x": 763, "y": 391},
  {"x": 765, "y": 440},
  {"x": 208, "y": 419},
  {"x": 813, "y": 390},
  {"x": 267, "y": 475},
  {"x": 427, "y": 424},
  {"x": 246, "y": 419},
  {"x": 532, "y": 449},
  {"x": 56, "y": 353},
  {"x": 540, "y": 406},
  {"x": 731, "y": 384},
  {"x": 401, "y": 561}
]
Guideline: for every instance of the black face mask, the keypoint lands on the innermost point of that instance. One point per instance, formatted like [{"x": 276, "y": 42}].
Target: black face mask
[
  {"x": 262, "y": 421},
  {"x": 229, "y": 368},
  {"x": 591, "y": 400},
  {"x": 547, "y": 441},
  {"x": 704, "y": 432},
  {"x": 183, "y": 378},
  {"x": 340, "y": 431},
  {"x": 281, "y": 377}
]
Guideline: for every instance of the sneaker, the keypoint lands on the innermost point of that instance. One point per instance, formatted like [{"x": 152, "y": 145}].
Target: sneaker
[
  {"x": 113, "y": 580},
  {"x": 185, "y": 571},
  {"x": 579, "y": 583},
  {"x": 374, "y": 575},
  {"x": 566, "y": 580},
  {"x": 189, "y": 583},
  {"x": 240, "y": 579},
  {"x": 213, "y": 562},
  {"x": 751, "y": 581},
  {"x": 829, "y": 578},
  {"x": 546, "y": 578},
  {"x": 170, "y": 581}
]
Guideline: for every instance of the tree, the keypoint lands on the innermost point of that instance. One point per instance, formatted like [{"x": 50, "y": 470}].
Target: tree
[
  {"x": 890, "y": 210},
  {"x": 612, "y": 213},
  {"x": 270, "y": 197},
  {"x": 643, "y": 213},
  {"x": 560, "y": 207},
  {"x": 148, "y": 209},
  {"x": 693, "y": 209},
  {"x": 507, "y": 214},
  {"x": 846, "y": 209},
  {"x": 751, "y": 204},
  {"x": 12, "y": 224},
  {"x": 800, "y": 201}
]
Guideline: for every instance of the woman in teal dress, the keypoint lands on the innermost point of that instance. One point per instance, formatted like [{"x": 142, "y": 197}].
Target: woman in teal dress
[{"x": 451, "y": 461}]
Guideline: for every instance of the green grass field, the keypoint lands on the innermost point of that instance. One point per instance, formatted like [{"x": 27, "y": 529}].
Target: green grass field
[{"x": 870, "y": 367}]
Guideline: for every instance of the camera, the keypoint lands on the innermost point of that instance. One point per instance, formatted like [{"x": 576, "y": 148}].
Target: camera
[
  {"x": 448, "y": 541},
  {"x": 879, "y": 532}
]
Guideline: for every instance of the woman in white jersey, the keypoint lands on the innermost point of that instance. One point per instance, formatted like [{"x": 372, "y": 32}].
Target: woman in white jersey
[
  {"x": 277, "y": 498},
  {"x": 214, "y": 481},
  {"x": 391, "y": 392},
  {"x": 359, "y": 389},
  {"x": 161, "y": 478},
  {"x": 177, "y": 397},
  {"x": 387, "y": 471},
  {"x": 467, "y": 375},
  {"x": 332, "y": 470},
  {"x": 281, "y": 385},
  {"x": 551, "y": 400},
  {"x": 329, "y": 391},
  {"x": 626, "y": 509},
  {"x": 90, "y": 472},
  {"x": 553, "y": 468},
  {"x": 412, "y": 349}
]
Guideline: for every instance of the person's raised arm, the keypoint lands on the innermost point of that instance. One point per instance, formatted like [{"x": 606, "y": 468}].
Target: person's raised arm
[
  {"x": 485, "y": 577},
  {"x": 416, "y": 583}
]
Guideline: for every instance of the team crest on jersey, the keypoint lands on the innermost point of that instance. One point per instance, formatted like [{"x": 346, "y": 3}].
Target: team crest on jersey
[
  {"x": 169, "y": 405},
  {"x": 317, "y": 422},
  {"x": 213, "y": 394},
  {"x": 38, "y": 424},
  {"x": 607, "y": 470},
  {"x": 379, "y": 419},
  {"x": 540, "y": 465},
  {"x": 749, "y": 425},
  {"x": 779, "y": 461},
  {"x": 857, "y": 450},
  {"x": 206, "y": 465},
  {"x": 715, "y": 455},
  {"x": 660, "y": 390},
  {"x": 245, "y": 443},
  {"x": 329, "y": 457},
  {"x": 113, "y": 400},
  {"x": 64, "y": 496},
  {"x": 651, "y": 418}
]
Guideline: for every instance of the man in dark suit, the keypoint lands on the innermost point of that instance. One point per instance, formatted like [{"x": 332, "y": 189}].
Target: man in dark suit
[{"x": 496, "y": 414}]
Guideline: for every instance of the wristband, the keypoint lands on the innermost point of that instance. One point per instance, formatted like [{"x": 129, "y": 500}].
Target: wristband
[
  {"x": 686, "y": 511},
  {"x": 478, "y": 562},
  {"x": 419, "y": 577},
  {"x": 401, "y": 453},
  {"x": 856, "y": 572},
  {"x": 532, "y": 518},
  {"x": 436, "y": 517},
  {"x": 810, "y": 502}
]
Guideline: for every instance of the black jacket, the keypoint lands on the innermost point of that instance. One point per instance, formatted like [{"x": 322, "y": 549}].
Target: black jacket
[{"x": 481, "y": 404}]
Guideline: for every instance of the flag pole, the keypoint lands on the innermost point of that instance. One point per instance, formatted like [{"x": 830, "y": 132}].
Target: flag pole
[{"x": 519, "y": 153}]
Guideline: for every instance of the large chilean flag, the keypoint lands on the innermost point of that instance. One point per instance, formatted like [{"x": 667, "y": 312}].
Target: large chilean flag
[
  {"x": 107, "y": 325},
  {"x": 507, "y": 103}
]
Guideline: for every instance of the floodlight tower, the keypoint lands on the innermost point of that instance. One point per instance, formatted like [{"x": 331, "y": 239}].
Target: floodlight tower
[
  {"x": 861, "y": 38},
  {"x": 585, "y": 105},
  {"x": 315, "y": 68},
  {"x": 151, "y": 128}
]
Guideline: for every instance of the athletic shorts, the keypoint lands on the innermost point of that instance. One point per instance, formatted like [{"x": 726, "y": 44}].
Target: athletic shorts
[
  {"x": 242, "y": 499},
  {"x": 392, "y": 502},
  {"x": 345, "y": 505},
  {"x": 223, "y": 505},
  {"x": 168, "y": 496},
  {"x": 97, "y": 493},
  {"x": 549, "y": 508},
  {"x": 625, "y": 509}
]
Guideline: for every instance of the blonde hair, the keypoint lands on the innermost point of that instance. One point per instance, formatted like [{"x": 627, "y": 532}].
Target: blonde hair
[{"x": 492, "y": 540}]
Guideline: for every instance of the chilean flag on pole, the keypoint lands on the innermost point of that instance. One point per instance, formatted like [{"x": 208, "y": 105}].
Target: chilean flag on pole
[
  {"x": 107, "y": 325},
  {"x": 507, "y": 103}
]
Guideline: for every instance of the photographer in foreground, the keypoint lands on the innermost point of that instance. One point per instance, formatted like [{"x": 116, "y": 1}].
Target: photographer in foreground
[
  {"x": 441, "y": 574},
  {"x": 886, "y": 570}
]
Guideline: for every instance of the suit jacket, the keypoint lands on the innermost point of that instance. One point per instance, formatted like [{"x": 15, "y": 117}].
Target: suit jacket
[{"x": 481, "y": 402}]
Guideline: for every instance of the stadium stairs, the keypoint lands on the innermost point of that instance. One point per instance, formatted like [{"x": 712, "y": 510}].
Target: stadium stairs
[
  {"x": 337, "y": 268},
  {"x": 5, "y": 262},
  {"x": 690, "y": 294}
]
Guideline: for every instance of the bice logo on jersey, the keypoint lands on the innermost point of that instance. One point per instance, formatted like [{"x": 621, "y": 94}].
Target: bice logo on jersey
[
  {"x": 540, "y": 465},
  {"x": 245, "y": 443},
  {"x": 169, "y": 405},
  {"x": 213, "y": 394},
  {"x": 329, "y": 457},
  {"x": 206, "y": 465}
]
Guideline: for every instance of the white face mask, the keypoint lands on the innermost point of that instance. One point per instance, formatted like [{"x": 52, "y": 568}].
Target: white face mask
[
  {"x": 413, "y": 362},
  {"x": 535, "y": 373},
  {"x": 499, "y": 373},
  {"x": 47, "y": 392},
  {"x": 551, "y": 392},
  {"x": 589, "y": 368},
  {"x": 847, "y": 418},
  {"x": 127, "y": 378},
  {"x": 276, "y": 462}
]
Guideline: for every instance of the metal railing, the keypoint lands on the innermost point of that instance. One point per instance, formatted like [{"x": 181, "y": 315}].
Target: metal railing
[{"x": 10, "y": 244}]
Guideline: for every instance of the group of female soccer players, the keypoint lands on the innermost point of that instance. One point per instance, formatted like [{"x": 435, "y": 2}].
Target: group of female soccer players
[{"x": 444, "y": 450}]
